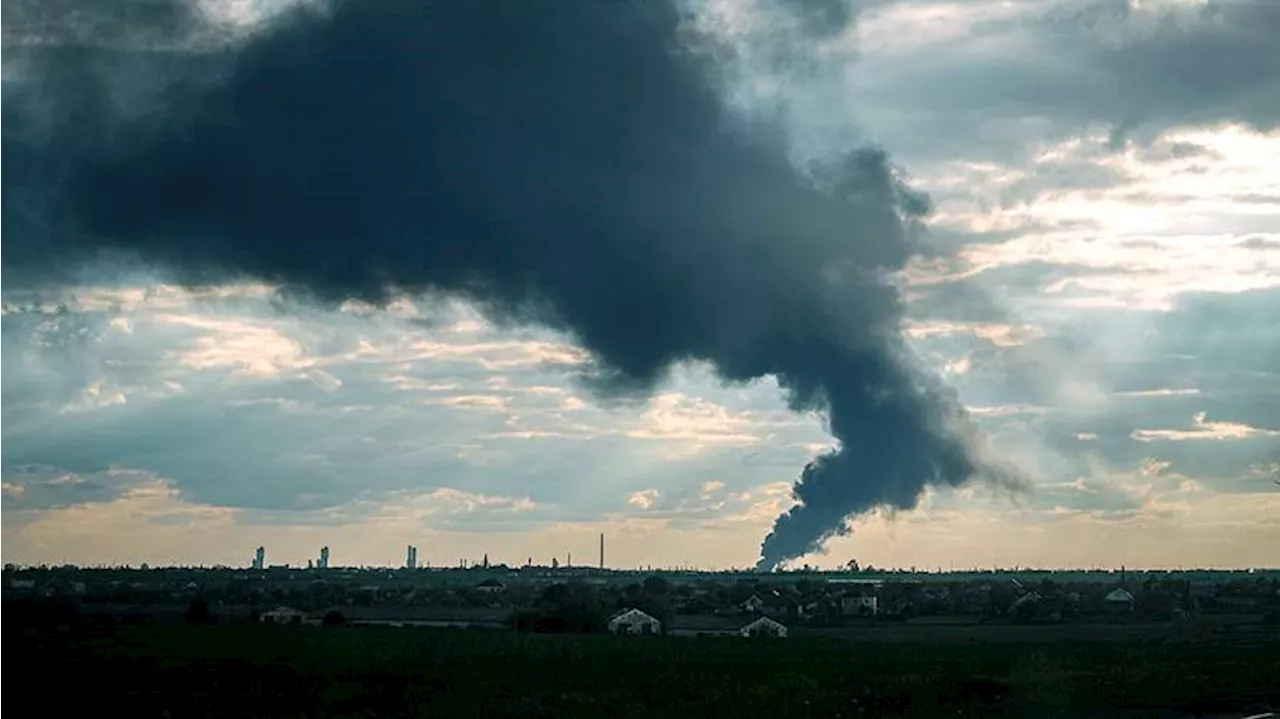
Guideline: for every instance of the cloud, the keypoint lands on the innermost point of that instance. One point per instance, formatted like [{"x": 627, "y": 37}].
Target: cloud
[
  {"x": 643, "y": 499},
  {"x": 1096, "y": 280},
  {"x": 390, "y": 420},
  {"x": 1204, "y": 429},
  {"x": 637, "y": 217},
  {"x": 33, "y": 487},
  {"x": 997, "y": 75}
]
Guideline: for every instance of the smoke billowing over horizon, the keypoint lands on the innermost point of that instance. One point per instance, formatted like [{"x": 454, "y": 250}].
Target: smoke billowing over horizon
[{"x": 571, "y": 165}]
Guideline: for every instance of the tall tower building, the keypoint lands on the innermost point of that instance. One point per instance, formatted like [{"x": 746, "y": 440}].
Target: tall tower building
[
  {"x": 260, "y": 558},
  {"x": 602, "y": 551},
  {"x": 324, "y": 558},
  {"x": 411, "y": 558}
]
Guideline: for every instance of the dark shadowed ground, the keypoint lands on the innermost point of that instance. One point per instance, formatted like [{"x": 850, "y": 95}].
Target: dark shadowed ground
[{"x": 251, "y": 670}]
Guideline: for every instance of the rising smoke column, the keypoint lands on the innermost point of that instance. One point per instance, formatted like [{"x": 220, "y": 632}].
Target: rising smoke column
[{"x": 560, "y": 163}]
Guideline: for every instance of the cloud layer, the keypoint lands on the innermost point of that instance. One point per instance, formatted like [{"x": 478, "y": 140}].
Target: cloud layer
[
  {"x": 1098, "y": 282},
  {"x": 559, "y": 165}
]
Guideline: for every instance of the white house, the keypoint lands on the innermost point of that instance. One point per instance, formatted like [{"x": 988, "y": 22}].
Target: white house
[
  {"x": 863, "y": 605},
  {"x": 1120, "y": 600},
  {"x": 284, "y": 615},
  {"x": 764, "y": 627},
  {"x": 634, "y": 621},
  {"x": 1020, "y": 604}
]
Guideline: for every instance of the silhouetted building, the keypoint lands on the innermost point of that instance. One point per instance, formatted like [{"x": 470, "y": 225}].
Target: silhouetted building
[
  {"x": 491, "y": 585},
  {"x": 260, "y": 558},
  {"x": 411, "y": 558},
  {"x": 324, "y": 558}
]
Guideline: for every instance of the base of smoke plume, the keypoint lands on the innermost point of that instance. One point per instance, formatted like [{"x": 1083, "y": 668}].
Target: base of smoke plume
[{"x": 1003, "y": 479}]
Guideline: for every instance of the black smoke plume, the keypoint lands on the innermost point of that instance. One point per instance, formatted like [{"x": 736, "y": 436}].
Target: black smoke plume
[{"x": 561, "y": 162}]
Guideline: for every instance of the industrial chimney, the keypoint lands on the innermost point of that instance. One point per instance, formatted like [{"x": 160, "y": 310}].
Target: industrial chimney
[{"x": 602, "y": 550}]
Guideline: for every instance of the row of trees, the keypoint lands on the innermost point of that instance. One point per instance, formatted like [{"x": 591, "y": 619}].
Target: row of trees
[{"x": 581, "y": 607}]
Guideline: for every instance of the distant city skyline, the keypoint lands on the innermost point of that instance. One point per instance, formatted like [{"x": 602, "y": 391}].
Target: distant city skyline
[{"x": 879, "y": 543}]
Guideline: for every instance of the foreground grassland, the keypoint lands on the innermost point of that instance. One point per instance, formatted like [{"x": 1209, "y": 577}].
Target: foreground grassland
[{"x": 385, "y": 672}]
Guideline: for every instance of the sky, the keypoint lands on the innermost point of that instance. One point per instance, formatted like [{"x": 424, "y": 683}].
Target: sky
[{"x": 1098, "y": 280}]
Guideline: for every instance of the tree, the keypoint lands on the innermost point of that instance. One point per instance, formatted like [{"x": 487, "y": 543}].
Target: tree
[
  {"x": 571, "y": 607},
  {"x": 1155, "y": 603},
  {"x": 656, "y": 585},
  {"x": 41, "y": 612},
  {"x": 334, "y": 618},
  {"x": 852, "y": 565},
  {"x": 198, "y": 612}
]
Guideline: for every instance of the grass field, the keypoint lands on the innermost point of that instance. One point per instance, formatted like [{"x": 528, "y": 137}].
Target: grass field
[{"x": 382, "y": 672}]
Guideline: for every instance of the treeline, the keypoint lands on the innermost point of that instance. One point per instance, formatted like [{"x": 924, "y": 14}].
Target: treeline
[{"x": 578, "y": 607}]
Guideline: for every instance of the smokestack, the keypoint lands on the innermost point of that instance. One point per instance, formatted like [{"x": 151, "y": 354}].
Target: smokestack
[
  {"x": 602, "y": 551},
  {"x": 625, "y": 214}
]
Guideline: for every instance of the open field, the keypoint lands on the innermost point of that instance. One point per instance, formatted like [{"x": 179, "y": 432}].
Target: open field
[
  {"x": 253, "y": 670},
  {"x": 1232, "y": 630}
]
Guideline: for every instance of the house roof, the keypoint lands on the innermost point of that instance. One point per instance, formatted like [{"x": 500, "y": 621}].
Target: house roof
[
  {"x": 765, "y": 621},
  {"x": 1119, "y": 595},
  {"x": 631, "y": 615}
]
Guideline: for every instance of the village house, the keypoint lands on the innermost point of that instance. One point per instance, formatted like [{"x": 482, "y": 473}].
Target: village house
[
  {"x": 491, "y": 585},
  {"x": 634, "y": 621},
  {"x": 764, "y": 627},
  {"x": 1119, "y": 600},
  {"x": 862, "y": 605},
  {"x": 1025, "y": 604},
  {"x": 284, "y": 615}
]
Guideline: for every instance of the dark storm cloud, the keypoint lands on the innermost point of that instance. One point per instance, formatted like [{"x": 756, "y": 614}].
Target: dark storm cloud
[
  {"x": 122, "y": 23},
  {"x": 559, "y": 163}
]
